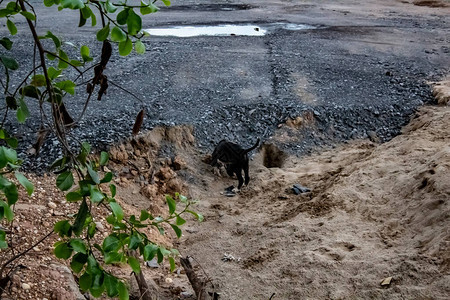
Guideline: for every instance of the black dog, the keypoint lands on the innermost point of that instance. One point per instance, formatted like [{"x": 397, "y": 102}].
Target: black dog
[{"x": 235, "y": 159}]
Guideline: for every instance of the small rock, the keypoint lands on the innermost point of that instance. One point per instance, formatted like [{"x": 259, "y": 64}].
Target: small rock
[
  {"x": 299, "y": 189},
  {"x": 169, "y": 280},
  {"x": 186, "y": 295},
  {"x": 99, "y": 226},
  {"x": 26, "y": 286},
  {"x": 386, "y": 281},
  {"x": 52, "y": 205},
  {"x": 152, "y": 263}
]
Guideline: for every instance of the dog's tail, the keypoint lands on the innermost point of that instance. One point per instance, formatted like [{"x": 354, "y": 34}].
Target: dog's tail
[{"x": 252, "y": 147}]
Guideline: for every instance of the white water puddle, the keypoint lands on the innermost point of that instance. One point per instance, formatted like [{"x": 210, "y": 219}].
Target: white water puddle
[{"x": 224, "y": 30}]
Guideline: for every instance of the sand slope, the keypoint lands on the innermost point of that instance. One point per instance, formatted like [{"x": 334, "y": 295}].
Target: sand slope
[{"x": 375, "y": 211}]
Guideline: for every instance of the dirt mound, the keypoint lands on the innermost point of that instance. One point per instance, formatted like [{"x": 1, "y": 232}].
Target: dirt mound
[{"x": 374, "y": 211}]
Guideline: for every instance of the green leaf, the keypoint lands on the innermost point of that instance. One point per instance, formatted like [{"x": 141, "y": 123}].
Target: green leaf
[
  {"x": 144, "y": 215},
  {"x": 74, "y": 196},
  {"x": 125, "y": 47},
  {"x": 85, "y": 282},
  {"x": 159, "y": 255},
  {"x": 63, "y": 59},
  {"x": 104, "y": 157},
  {"x": 110, "y": 283},
  {"x": 11, "y": 194},
  {"x": 53, "y": 73},
  {"x": 64, "y": 181},
  {"x": 80, "y": 220},
  {"x": 6, "y": 210},
  {"x": 9, "y": 63},
  {"x": 110, "y": 8},
  {"x": 92, "y": 228},
  {"x": 113, "y": 257},
  {"x": 180, "y": 221},
  {"x": 97, "y": 287},
  {"x": 183, "y": 199},
  {"x": 148, "y": 8},
  {"x": 12, "y": 142},
  {"x": 103, "y": 33},
  {"x": 22, "y": 112},
  {"x": 28, "y": 15},
  {"x": 9, "y": 155},
  {"x": 164, "y": 251},
  {"x": 134, "y": 264},
  {"x": 134, "y": 23},
  {"x": 108, "y": 177},
  {"x": 166, "y": 2},
  {"x": 173, "y": 266},
  {"x": 117, "y": 210},
  {"x": 72, "y": 4},
  {"x": 62, "y": 250},
  {"x": 78, "y": 245},
  {"x": 135, "y": 240},
  {"x": 67, "y": 85},
  {"x": 78, "y": 262},
  {"x": 48, "y": 3},
  {"x": 112, "y": 188},
  {"x": 139, "y": 47},
  {"x": 96, "y": 195},
  {"x": 198, "y": 216},
  {"x": 123, "y": 291},
  {"x": 3, "y": 243},
  {"x": 7, "y": 43},
  {"x": 123, "y": 16},
  {"x": 85, "y": 53},
  {"x": 150, "y": 251},
  {"x": 85, "y": 149},
  {"x": 11, "y": 27},
  {"x": 25, "y": 183},
  {"x": 93, "y": 266},
  {"x": 118, "y": 35},
  {"x": 93, "y": 174},
  {"x": 38, "y": 80},
  {"x": 171, "y": 203},
  {"x": 111, "y": 243},
  {"x": 13, "y": 6},
  {"x": 54, "y": 38},
  {"x": 83, "y": 20},
  {"x": 177, "y": 230},
  {"x": 30, "y": 91},
  {"x": 62, "y": 228}
]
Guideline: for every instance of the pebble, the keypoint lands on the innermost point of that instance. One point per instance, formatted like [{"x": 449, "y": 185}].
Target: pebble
[
  {"x": 26, "y": 286},
  {"x": 169, "y": 280},
  {"x": 52, "y": 205},
  {"x": 99, "y": 226}
]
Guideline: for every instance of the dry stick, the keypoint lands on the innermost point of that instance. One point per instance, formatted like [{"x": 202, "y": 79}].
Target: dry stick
[
  {"x": 142, "y": 283},
  {"x": 23, "y": 253},
  {"x": 197, "y": 284}
]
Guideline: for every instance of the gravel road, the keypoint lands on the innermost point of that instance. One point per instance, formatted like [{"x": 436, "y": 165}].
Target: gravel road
[{"x": 360, "y": 71}]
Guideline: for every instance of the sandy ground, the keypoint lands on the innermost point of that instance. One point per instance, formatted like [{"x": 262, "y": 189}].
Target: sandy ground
[{"x": 375, "y": 211}]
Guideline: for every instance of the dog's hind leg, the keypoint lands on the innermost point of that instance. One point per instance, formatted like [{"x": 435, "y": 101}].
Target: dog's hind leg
[
  {"x": 247, "y": 177},
  {"x": 241, "y": 180}
]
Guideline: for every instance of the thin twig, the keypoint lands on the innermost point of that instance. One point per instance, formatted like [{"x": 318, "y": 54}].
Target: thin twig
[{"x": 22, "y": 253}]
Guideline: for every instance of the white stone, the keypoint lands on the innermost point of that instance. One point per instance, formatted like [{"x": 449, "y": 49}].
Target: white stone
[
  {"x": 52, "y": 205},
  {"x": 26, "y": 286}
]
